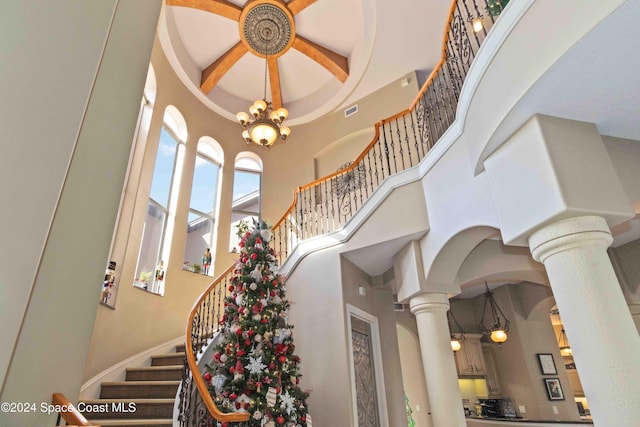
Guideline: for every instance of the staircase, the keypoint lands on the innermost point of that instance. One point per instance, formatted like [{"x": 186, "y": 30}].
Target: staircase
[{"x": 146, "y": 397}]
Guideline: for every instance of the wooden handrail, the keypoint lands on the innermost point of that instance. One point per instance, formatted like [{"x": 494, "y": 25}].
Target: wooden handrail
[
  {"x": 193, "y": 363},
  {"x": 412, "y": 107},
  {"x": 68, "y": 411}
]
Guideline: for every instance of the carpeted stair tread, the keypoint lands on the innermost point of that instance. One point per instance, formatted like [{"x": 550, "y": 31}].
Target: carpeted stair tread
[
  {"x": 155, "y": 373},
  {"x": 167, "y": 359},
  {"x": 138, "y": 389},
  {"x": 128, "y": 409}
]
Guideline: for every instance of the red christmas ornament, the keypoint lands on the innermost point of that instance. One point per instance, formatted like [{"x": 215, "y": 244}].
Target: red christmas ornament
[
  {"x": 272, "y": 293},
  {"x": 272, "y": 366},
  {"x": 247, "y": 342},
  {"x": 283, "y": 359},
  {"x": 274, "y": 282},
  {"x": 231, "y": 288},
  {"x": 207, "y": 376},
  {"x": 254, "y": 256},
  {"x": 241, "y": 353},
  {"x": 280, "y": 419},
  {"x": 232, "y": 370},
  {"x": 303, "y": 418},
  {"x": 239, "y": 331},
  {"x": 258, "y": 241},
  {"x": 263, "y": 321},
  {"x": 251, "y": 332},
  {"x": 233, "y": 396}
]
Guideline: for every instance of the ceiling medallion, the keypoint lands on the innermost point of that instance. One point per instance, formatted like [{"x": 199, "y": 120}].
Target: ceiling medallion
[{"x": 267, "y": 30}]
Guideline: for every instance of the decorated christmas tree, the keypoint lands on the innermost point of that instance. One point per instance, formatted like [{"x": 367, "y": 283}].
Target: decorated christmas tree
[{"x": 254, "y": 368}]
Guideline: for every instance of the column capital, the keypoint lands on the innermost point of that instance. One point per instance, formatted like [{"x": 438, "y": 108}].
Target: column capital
[
  {"x": 429, "y": 302},
  {"x": 569, "y": 234}
]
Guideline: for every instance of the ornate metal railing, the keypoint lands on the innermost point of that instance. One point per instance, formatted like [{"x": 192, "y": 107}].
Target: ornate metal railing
[
  {"x": 326, "y": 205},
  {"x": 196, "y": 407},
  {"x": 400, "y": 142}
]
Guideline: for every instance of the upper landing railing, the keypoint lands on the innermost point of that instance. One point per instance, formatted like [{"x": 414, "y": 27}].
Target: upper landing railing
[
  {"x": 400, "y": 142},
  {"x": 325, "y": 205}
]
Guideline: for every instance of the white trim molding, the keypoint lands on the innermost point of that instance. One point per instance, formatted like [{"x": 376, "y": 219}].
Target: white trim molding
[{"x": 376, "y": 348}]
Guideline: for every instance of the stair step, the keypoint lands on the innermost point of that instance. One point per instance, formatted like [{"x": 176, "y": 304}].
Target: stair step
[
  {"x": 139, "y": 389},
  {"x": 181, "y": 348},
  {"x": 128, "y": 409},
  {"x": 169, "y": 359},
  {"x": 159, "y": 422},
  {"x": 155, "y": 373}
]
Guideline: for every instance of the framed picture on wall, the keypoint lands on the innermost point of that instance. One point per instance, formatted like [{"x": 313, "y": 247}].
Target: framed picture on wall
[
  {"x": 547, "y": 364},
  {"x": 554, "y": 389}
]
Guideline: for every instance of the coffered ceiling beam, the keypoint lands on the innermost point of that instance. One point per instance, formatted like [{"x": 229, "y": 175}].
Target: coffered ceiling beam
[
  {"x": 214, "y": 72},
  {"x": 274, "y": 82},
  {"x": 219, "y": 7},
  {"x": 295, "y": 6},
  {"x": 335, "y": 63}
]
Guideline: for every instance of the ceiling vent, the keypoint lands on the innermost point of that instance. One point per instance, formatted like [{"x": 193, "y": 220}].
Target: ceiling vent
[{"x": 351, "y": 111}]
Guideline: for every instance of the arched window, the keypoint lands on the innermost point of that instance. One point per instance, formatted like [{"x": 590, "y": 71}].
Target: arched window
[
  {"x": 203, "y": 207},
  {"x": 158, "y": 225},
  {"x": 247, "y": 184}
]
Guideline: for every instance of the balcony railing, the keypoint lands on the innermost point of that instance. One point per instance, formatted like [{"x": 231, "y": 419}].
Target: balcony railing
[
  {"x": 326, "y": 205},
  {"x": 400, "y": 142}
]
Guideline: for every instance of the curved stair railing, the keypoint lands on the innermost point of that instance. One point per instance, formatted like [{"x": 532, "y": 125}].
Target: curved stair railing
[
  {"x": 325, "y": 205},
  {"x": 196, "y": 407}
]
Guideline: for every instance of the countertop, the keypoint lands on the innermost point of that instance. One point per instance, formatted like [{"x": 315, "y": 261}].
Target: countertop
[{"x": 526, "y": 420}]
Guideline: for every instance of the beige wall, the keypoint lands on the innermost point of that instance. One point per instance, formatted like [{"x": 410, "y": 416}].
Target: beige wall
[
  {"x": 378, "y": 302},
  {"x": 73, "y": 109},
  {"x": 149, "y": 320}
]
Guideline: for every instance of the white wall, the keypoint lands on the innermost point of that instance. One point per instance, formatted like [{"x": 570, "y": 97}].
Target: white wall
[{"x": 68, "y": 117}]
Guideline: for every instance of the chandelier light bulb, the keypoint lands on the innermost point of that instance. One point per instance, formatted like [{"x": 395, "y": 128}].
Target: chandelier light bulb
[
  {"x": 283, "y": 113},
  {"x": 260, "y": 105},
  {"x": 477, "y": 25},
  {"x": 285, "y": 132},
  {"x": 455, "y": 345},
  {"x": 499, "y": 336},
  {"x": 242, "y": 117}
]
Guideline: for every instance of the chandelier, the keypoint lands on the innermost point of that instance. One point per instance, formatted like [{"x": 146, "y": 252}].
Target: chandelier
[
  {"x": 456, "y": 339},
  {"x": 264, "y": 126},
  {"x": 499, "y": 326}
]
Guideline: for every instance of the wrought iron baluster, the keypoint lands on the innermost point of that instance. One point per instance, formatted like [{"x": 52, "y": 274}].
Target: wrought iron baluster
[
  {"x": 418, "y": 141},
  {"x": 386, "y": 153},
  {"x": 393, "y": 148},
  {"x": 299, "y": 225},
  {"x": 401, "y": 150}
]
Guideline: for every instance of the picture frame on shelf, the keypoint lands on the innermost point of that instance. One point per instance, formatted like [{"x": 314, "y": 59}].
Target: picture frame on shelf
[
  {"x": 547, "y": 364},
  {"x": 554, "y": 388}
]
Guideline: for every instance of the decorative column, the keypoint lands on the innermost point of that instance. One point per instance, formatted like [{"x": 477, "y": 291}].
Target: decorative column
[
  {"x": 439, "y": 365},
  {"x": 603, "y": 337}
]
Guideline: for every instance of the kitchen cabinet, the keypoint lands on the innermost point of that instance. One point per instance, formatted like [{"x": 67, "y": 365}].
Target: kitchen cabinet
[
  {"x": 469, "y": 359},
  {"x": 493, "y": 382},
  {"x": 576, "y": 385}
]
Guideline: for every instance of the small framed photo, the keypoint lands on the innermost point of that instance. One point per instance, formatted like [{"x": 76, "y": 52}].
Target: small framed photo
[
  {"x": 554, "y": 389},
  {"x": 547, "y": 364}
]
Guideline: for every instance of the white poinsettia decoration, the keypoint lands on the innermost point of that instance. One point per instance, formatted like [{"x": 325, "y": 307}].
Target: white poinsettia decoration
[
  {"x": 266, "y": 234},
  {"x": 255, "y": 365},
  {"x": 287, "y": 402}
]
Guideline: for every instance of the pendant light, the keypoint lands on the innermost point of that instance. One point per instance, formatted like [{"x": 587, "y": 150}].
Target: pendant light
[
  {"x": 456, "y": 339},
  {"x": 499, "y": 324}
]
